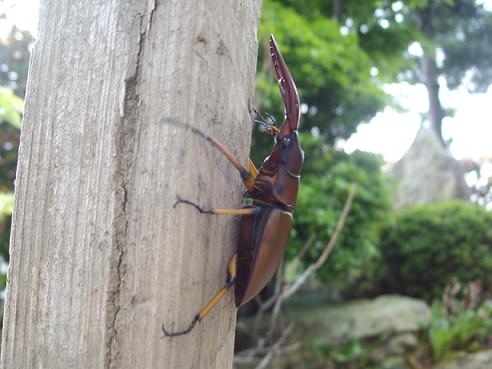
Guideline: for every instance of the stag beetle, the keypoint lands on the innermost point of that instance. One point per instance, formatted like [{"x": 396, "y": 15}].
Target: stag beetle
[{"x": 266, "y": 224}]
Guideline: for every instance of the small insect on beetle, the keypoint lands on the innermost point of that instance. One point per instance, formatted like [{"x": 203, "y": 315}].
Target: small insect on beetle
[{"x": 266, "y": 224}]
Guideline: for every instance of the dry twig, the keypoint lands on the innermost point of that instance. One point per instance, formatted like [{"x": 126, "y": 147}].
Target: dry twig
[{"x": 275, "y": 348}]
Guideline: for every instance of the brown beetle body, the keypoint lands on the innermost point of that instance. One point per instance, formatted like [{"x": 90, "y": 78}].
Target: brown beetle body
[
  {"x": 265, "y": 225},
  {"x": 263, "y": 238}
]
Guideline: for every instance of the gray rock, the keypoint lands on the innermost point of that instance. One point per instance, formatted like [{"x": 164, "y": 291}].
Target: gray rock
[
  {"x": 394, "y": 363},
  {"x": 478, "y": 360},
  {"x": 362, "y": 318},
  {"x": 396, "y": 345},
  {"x": 427, "y": 173},
  {"x": 397, "y": 316},
  {"x": 402, "y": 343}
]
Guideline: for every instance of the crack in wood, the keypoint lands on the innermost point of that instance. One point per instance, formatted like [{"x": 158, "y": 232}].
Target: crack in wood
[{"x": 125, "y": 145}]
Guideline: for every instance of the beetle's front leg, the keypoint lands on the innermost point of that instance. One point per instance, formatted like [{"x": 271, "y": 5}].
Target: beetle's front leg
[
  {"x": 250, "y": 210},
  {"x": 246, "y": 176}
]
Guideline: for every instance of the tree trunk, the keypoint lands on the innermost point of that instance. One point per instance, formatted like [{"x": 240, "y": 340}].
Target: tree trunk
[
  {"x": 430, "y": 72},
  {"x": 431, "y": 75},
  {"x": 337, "y": 10},
  {"x": 99, "y": 257}
]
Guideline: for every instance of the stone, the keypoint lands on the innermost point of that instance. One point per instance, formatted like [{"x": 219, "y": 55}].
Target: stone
[
  {"x": 399, "y": 317},
  {"x": 394, "y": 346},
  {"x": 402, "y": 343},
  {"x": 362, "y": 318},
  {"x": 477, "y": 360},
  {"x": 427, "y": 173},
  {"x": 394, "y": 362}
]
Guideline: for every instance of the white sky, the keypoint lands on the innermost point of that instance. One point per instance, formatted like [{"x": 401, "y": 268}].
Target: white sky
[
  {"x": 23, "y": 13},
  {"x": 389, "y": 133}
]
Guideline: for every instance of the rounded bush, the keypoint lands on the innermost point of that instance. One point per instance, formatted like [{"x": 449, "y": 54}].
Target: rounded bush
[{"x": 426, "y": 247}]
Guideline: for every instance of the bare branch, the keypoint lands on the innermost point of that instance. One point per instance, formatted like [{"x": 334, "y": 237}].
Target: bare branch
[
  {"x": 306, "y": 247},
  {"x": 275, "y": 348}
]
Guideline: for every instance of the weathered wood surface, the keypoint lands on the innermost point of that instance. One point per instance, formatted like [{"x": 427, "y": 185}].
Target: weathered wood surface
[{"x": 99, "y": 257}]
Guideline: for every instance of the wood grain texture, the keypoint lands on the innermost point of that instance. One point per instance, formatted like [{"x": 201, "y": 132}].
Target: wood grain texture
[{"x": 99, "y": 257}]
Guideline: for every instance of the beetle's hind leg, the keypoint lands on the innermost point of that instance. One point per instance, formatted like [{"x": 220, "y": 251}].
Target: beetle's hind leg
[
  {"x": 231, "y": 278},
  {"x": 243, "y": 211}
]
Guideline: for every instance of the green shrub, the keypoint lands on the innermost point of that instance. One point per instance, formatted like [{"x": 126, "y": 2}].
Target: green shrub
[
  {"x": 462, "y": 332},
  {"x": 6, "y": 207},
  {"x": 425, "y": 247},
  {"x": 356, "y": 353}
]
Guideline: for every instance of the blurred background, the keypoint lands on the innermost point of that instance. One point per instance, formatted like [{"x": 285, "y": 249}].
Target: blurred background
[{"x": 396, "y": 100}]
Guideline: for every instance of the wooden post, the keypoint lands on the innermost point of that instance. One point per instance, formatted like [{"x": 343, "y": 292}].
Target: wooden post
[{"x": 99, "y": 257}]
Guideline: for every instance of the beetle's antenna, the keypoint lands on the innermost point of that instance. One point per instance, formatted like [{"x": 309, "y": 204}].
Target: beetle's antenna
[
  {"x": 178, "y": 123},
  {"x": 271, "y": 118},
  {"x": 261, "y": 122},
  {"x": 268, "y": 123}
]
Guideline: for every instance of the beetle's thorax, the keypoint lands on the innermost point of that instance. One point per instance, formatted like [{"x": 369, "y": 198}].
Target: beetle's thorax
[{"x": 277, "y": 181}]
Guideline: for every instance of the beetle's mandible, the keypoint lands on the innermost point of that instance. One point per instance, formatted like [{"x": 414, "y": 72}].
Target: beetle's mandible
[{"x": 265, "y": 225}]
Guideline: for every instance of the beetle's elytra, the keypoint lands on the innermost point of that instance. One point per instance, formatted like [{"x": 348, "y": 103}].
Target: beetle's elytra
[
  {"x": 266, "y": 224},
  {"x": 262, "y": 241}
]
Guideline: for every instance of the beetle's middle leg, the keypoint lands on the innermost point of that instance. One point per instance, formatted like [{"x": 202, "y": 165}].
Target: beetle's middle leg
[
  {"x": 231, "y": 278},
  {"x": 243, "y": 211}
]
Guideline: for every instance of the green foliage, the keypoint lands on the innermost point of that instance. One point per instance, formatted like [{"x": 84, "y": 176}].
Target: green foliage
[
  {"x": 458, "y": 333},
  {"x": 470, "y": 52},
  {"x": 10, "y": 119},
  {"x": 382, "y": 34},
  {"x": 331, "y": 71},
  {"x": 14, "y": 56},
  {"x": 461, "y": 30},
  {"x": 356, "y": 353},
  {"x": 425, "y": 247},
  {"x": 6, "y": 207},
  {"x": 327, "y": 177},
  {"x": 352, "y": 351},
  {"x": 10, "y": 108}
]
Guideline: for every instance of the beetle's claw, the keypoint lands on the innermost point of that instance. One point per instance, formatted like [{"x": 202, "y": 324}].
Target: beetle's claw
[
  {"x": 288, "y": 90},
  {"x": 180, "y": 333},
  {"x": 180, "y": 200}
]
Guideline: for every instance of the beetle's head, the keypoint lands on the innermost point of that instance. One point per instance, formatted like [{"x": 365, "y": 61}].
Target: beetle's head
[{"x": 280, "y": 173}]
